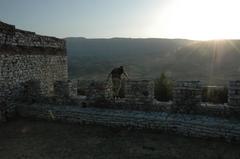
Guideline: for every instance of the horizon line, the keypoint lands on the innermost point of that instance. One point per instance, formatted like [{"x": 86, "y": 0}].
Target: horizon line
[{"x": 91, "y": 38}]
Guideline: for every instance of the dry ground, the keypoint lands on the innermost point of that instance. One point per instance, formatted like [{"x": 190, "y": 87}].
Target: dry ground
[{"x": 24, "y": 139}]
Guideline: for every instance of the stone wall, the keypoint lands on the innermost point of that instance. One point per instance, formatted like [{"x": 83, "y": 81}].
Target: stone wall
[
  {"x": 26, "y": 56},
  {"x": 234, "y": 93},
  {"x": 187, "y": 96},
  {"x": 99, "y": 90},
  {"x": 65, "y": 89},
  {"x": 188, "y": 125},
  {"x": 11, "y": 36},
  {"x": 187, "y": 99},
  {"x": 139, "y": 92}
]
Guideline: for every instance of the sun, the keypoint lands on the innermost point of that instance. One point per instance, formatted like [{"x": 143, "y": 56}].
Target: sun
[{"x": 201, "y": 19}]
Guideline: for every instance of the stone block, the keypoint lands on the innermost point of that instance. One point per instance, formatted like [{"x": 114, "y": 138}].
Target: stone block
[
  {"x": 187, "y": 96},
  {"x": 32, "y": 89},
  {"x": 99, "y": 90},
  {"x": 234, "y": 93},
  {"x": 29, "y": 65},
  {"x": 65, "y": 88},
  {"x": 139, "y": 91}
]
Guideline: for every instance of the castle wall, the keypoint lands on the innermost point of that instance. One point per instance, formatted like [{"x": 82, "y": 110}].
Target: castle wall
[
  {"x": 234, "y": 93},
  {"x": 26, "y": 56},
  {"x": 139, "y": 92},
  {"x": 65, "y": 89},
  {"x": 188, "y": 125},
  {"x": 98, "y": 90},
  {"x": 187, "y": 96}
]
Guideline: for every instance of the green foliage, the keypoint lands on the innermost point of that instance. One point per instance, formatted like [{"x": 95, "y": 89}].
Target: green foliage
[{"x": 163, "y": 88}]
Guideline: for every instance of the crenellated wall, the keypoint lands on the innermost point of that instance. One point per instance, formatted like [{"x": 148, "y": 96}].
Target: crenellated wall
[
  {"x": 139, "y": 92},
  {"x": 10, "y": 36},
  {"x": 26, "y": 56},
  {"x": 34, "y": 68},
  {"x": 98, "y": 90},
  {"x": 139, "y": 95},
  {"x": 187, "y": 96},
  {"x": 211, "y": 121},
  {"x": 234, "y": 93}
]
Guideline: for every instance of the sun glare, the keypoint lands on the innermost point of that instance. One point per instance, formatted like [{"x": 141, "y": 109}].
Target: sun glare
[{"x": 200, "y": 19}]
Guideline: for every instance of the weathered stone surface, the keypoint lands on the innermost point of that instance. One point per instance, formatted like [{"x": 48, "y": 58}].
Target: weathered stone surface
[
  {"x": 25, "y": 56},
  {"x": 34, "y": 67},
  {"x": 188, "y": 125},
  {"x": 187, "y": 96},
  {"x": 31, "y": 50},
  {"x": 135, "y": 100},
  {"x": 18, "y": 69},
  {"x": 65, "y": 88},
  {"x": 234, "y": 93},
  {"x": 98, "y": 90},
  {"x": 31, "y": 90},
  {"x": 16, "y": 37},
  {"x": 139, "y": 92}
]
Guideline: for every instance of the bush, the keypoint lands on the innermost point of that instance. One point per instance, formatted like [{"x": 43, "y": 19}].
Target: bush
[{"x": 163, "y": 88}]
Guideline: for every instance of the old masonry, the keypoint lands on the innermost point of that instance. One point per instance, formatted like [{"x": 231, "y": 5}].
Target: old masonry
[{"x": 34, "y": 83}]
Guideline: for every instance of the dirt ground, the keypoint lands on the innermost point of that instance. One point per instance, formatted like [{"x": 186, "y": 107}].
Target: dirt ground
[{"x": 24, "y": 139}]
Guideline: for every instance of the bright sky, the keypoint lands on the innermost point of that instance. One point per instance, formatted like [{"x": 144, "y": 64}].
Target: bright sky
[{"x": 192, "y": 19}]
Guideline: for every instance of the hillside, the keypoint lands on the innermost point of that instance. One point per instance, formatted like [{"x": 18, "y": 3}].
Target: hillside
[{"x": 210, "y": 61}]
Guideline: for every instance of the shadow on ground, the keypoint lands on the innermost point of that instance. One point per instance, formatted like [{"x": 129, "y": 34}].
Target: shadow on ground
[{"x": 24, "y": 139}]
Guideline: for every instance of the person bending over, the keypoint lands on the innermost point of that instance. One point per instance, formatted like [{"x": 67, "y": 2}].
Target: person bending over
[{"x": 116, "y": 74}]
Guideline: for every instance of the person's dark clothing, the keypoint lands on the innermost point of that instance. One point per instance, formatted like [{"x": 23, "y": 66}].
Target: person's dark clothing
[{"x": 117, "y": 72}]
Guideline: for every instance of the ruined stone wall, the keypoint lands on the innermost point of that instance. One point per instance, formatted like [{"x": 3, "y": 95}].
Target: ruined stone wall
[
  {"x": 65, "y": 89},
  {"x": 27, "y": 56},
  {"x": 99, "y": 90},
  {"x": 139, "y": 96},
  {"x": 187, "y": 96},
  {"x": 188, "y": 125},
  {"x": 139, "y": 92},
  {"x": 11, "y": 36},
  {"x": 234, "y": 93}
]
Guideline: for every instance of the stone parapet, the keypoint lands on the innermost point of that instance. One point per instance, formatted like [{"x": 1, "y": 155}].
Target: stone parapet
[
  {"x": 11, "y": 36},
  {"x": 139, "y": 92},
  {"x": 234, "y": 93},
  {"x": 99, "y": 90},
  {"x": 187, "y": 96},
  {"x": 65, "y": 88},
  {"x": 188, "y": 125}
]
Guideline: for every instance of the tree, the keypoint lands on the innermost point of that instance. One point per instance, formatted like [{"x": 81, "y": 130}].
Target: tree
[{"x": 163, "y": 88}]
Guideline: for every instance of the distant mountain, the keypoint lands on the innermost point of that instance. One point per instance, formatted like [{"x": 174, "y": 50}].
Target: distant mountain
[
  {"x": 213, "y": 62},
  {"x": 210, "y": 61}
]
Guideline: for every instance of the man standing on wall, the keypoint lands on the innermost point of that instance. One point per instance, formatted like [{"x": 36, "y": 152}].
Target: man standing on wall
[{"x": 116, "y": 74}]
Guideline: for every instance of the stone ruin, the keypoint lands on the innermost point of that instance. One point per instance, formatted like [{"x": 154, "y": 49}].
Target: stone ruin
[
  {"x": 234, "y": 93},
  {"x": 34, "y": 81},
  {"x": 139, "y": 92},
  {"x": 187, "y": 96},
  {"x": 26, "y": 57}
]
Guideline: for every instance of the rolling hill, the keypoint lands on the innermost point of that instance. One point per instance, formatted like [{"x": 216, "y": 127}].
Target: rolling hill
[{"x": 214, "y": 62}]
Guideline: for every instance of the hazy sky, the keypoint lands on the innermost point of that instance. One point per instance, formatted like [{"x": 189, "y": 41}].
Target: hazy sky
[{"x": 196, "y": 19}]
